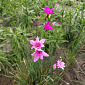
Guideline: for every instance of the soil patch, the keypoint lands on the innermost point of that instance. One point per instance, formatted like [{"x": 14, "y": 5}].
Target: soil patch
[
  {"x": 5, "y": 80},
  {"x": 76, "y": 74}
]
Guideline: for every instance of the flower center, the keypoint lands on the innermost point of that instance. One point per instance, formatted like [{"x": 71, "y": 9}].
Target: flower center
[
  {"x": 37, "y": 44},
  {"x": 47, "y": 26},
  {"x": 39, "y": 52}
]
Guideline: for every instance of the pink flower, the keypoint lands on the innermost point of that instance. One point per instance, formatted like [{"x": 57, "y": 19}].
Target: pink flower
[
  {"x": 39, "y": 54},
  {"x": 54, "y": 66},
  {"x": 37, "y": 44},
  {"x": 60, "y": 64},
  {"x": 48, "y": 26},
  {"x": 48, "y": 10}
]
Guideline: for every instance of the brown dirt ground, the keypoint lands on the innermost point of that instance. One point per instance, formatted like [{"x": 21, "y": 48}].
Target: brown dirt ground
[
  {"x": 76, "y": 74},
  {"x": 6, "y": 80}
]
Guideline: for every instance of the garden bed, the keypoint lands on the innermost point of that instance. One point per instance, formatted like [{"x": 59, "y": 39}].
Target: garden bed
[{"x": 66, "y": 41}]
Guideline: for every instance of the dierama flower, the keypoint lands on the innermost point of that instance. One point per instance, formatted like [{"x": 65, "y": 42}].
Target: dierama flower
[
  {"x": 37, "y": 44},
  {"x": 54, "y": 66},
  {"x": 60, "y": 64},
  {"x": 39, "y": 54},
  {"x": 48, "y": 10},
  {"x": 48, "y": 26}
]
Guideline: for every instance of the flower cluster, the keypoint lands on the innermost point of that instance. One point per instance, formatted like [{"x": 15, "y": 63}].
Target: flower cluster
[
  {"x": 47, "y": 25},
  {"x": 38, "y": 52},
  {"x": 60, "y": 64}
]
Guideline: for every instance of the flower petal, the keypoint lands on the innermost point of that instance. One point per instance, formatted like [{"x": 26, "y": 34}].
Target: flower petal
[
  {"x": 52, "y": 12},
  {"x": 32, "y": 47},
  {"x": 42, "y": 40},
  {"x": 51, "y": 25},
  {"x": 49, "y": 8},
  {"x": 41, "y": 57},
  {"x": 37, "y": 39},
  {"x": 36, "y": 58},
  {"x": 32, "y": 42},
  {"x": 44, "y": 26},
  {"x": 54, "y": 66},
  {"x": 48, "y": 23},
  {"x": 46, "y": 8},
  {"x": 33, "y": 54},
  {"x": 45, "y": 54},
  {"x": 42, "y": 45},
  {"x": 51, "y": 28}
]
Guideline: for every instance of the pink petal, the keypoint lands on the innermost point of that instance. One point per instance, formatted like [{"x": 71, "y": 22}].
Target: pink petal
[
  {"x": 32, "y": 42},
  {"x": 42, "y": 40},
  {"x": 32, "y": 47},
  {"x": 49, "y": 8},
  {"x": 33, "y": 54},
  {"x": 53, "y": 12},
  {"x": 37, "y": 39},
  {"x": 51, "y": 28},
  {"x": 47, "y": 28},
  {"x": 45, "y": 54},
  {"x": 61, "y": 60},
  {"x": 54, "y": 66},
  {"x": 51, "y": 25},
  {"x": 48, "y": 23},
  {"x": 45, "y": 24},
  {"x": 46, "y": 8},
  {"x": 36, "y": 58},
  {"x": 41, "y": 57},
  {"x": 42, "y": 45},
  {"x": 63, "y": 64}
]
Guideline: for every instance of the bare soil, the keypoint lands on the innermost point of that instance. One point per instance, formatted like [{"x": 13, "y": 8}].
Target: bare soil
[
  {"x": 6, "y": 80},
  {"x": 76, "y": 74}
]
